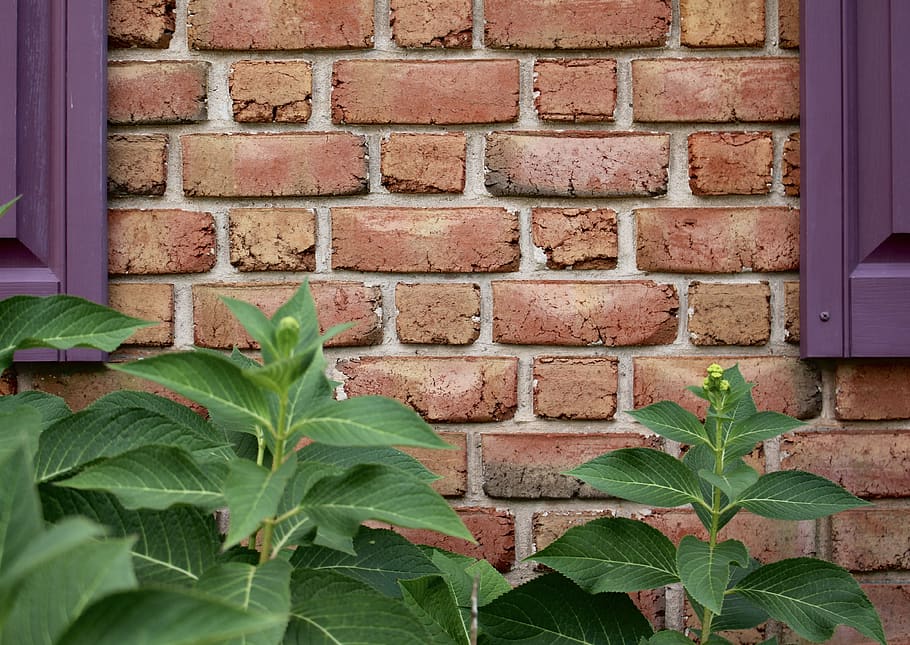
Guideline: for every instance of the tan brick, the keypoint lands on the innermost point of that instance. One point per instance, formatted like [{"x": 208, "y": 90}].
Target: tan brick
[
  {"x": 160, "y": 241},
  {"x": 156, "y": 91},
  {"x": 730, "y": 163},
  {"x": 729, "y": 313},
  {"x": 718, "y": 240},
  {"x": 153, "y": 302},
  {"x": 140, "y": 23},
  {"x": 575, "y": 387},
  {"x": 722, "y": 23},
  {"x": 424, "y": 240},
  {"x": 871, "y": 539},
  {"x": 137, "y": 164},
  {"x": 892, "y": 601},
  {"x": 450, "y": 465},
  {"x": 872, "y": 390},
  {"x": 441, "y": 389},
  {"x": 546, "y": 526},
  {"x": 631, "y": 312},
  {"x": 271, "y": 91},
  {"x": 594, "y": 24},
  {"x": 791, "y": 165},
  {"x": 336, "y": 303},
  {"x": 425, "y": 91},
  {"x": 782, "y": 384},
  {"x": 791, "y": 312},
  {"x": 714, "y": 90},
  {"x": 577, "y": 164},
  {"x": 577, "y": 90},
  {"x": 280, "y": 24},
  {"x": 273, "y": 239},
  {"x": 274, "y": 165},
  {"x": 438, "y": 313},
  {"x": 788, "y": 23},
  {"x": 9, "y": 382},
  {"x": 432, "y": 23},
  {"x": 424, "y": 163},
  {"x": 576, "y": 238}
]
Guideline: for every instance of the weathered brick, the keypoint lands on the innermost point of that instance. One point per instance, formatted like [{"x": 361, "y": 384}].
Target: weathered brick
[
  {"x": 713, "y": 90},
  {"x": 871, "y": 390},
  {"x": 140, "y": 23},
  {"x": 893, "y": 604},
  {"x": 160, "y": 241},
  {"x": 578, "y": 90},
  {"x": 730, "y": 163},
  {"x": 150, "y": 302},
  {"x": 137, "y": 164},
  {"x": 273, "y": 239},
  {"x": 280, "y": 24},
  {"x": 265, "y": 91},
  {"x": 576, "y": 238},
  {"x": 873, "y": 539},
  {"x": 441, "y": 389},
  {"x": 718, "y": 240},
  {"x": 431, "y": 23},
  {"x": 546, "y": 526},
  {"x": 577, "y": 164},
  {"x": 722, "y": 23},
  {"x": 425, "y": 240},
  {"x": 788, "y": 23},
  {"x": 9, "y": 382},
  {"x": 274, "y": 165},
  {"x": 336, "y": 303},
  {"x": 791, "y": 312},
  {"x": 424, "y": 163},
  {"x": 632, "y": 312},
  {"x": 451, "y": 465},
  {"x": 438, "y": 313},
  {"x": 594, "y": 24},
  {"x": 425, "y": 91},
  {"x": 575, "y": 387},
  {"x": 791, "y": 165},
  {"x": 782, "y": 384},
  {"x": 156, "y": 91},
  {"x": 729, "y": 313},
  {"x": 529, "y": 466}
]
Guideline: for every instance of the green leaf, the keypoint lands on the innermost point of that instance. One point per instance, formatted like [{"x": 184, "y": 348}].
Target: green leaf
[
  {"x": 461, "y": 571},
  {"x": 302, "y": 308},
  {"x": 736, "y": 478},
  {"x": 705, "y": 568},
  {"x": 345, "y": 457},
  {"x": 699, "y": 459},
  {"x": 20, "y": 510},
  {"x": 795, "y": 495},
  {"x": 550, "y": 610},
  {"x": 252, "y": 494},
  {"x": 812, "y": 597},
  {"x": 432, "y": 600},
  {"x": 739, "y": 612},
  {"x": 745, "y": 433},
  {"x": 295, "y": 526},
  {"x": 20, "y": 428},
  {"x": 641, "y": 475},
  {"x": 612, "y": 554},
  {"x": 670, "y": 420},
  {"x": 256, "y": 324},
  {"x": 51, "y": 408}
]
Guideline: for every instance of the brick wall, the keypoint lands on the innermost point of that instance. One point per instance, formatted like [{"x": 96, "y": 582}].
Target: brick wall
[{"x": 539, "y": 215}]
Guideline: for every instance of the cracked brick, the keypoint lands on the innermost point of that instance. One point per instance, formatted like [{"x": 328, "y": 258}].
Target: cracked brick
[
  {"x": 156, "y": 91},
  {"x": 432, "y": 23},
  {"x": 791, "y": 312},
  {"x": 578, "y": 90},
  {"x": 140, "y": 23},
  {"x": 872, "y": 390},
  {"x": 273, "y": 239},
  {"x": 730, "y": 163},
  {"x": 147, "y": 242},
  {"x": 788, "y": 23},
  {"x": 791, "y": 165},
  {"x": 575, "y": 387},
  {"x": 437, "y": 313},
  {"x": 424, "y": 163},
  {"x": 729, "y": 314},
  {"x": 271, "y": 91},
  {"x": 873, "y": 539},
  {"x": 576, "y": 238},
  {"x": 137, "y": 164},
  {"x": 722, "y": 23}
]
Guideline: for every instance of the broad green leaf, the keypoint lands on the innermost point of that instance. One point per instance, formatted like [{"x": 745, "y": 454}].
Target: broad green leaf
[
  {"x": 51, "y": 408},
  {"x": 345, "y": 457},
  {"x": 612, "y": 554},
  {"x": 20, "y": 429},
  {"x": 737, "y": 477},
  {"x": 20, "y": 510},
  {"x": 699, "y": 459},
  {"x": 795, "y": 495},
  {"x": 302, "y": 308},
  {"x": 281, "y": 373},
  {"x": 739, "y": 612},
  {"x": 252, "y": 494},
  {"x": 705, "y": 569},
  {"x": 641, "y": 475},
  {"x": 257, "y": 325},
  {"x": 672, "y": 421},
  {"x": 745, "y": 433},
  {"x": 550, "y": 610},
  {"x": 812, "y": 597},
  {"x": 310, "y": 391},
  {"x": 461, "y": 571},
  {"x": 432, "y": 600},
  {"x": 290, "y": 530}
]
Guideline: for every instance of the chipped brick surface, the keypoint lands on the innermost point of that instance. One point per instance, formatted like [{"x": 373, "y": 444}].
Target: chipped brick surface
[
  {"x": 137, "y": 164},
  {"x": 271, "y": 91},
  {"x": 153, "y": 302},
  {"x": 576, "y": 238},
  {"x": 791, "y": 165},
  {"x": 8, "y": 382},
  {"x": 892, "y": 601},
  {"x": 871, "y": 539},
  {"x": 729, "y": 314},
  {"x": 578, "y": 90},
  {"x": 791, "y": 312},
  {"x": 872, "y": 390},
  {"x": 722, "y": 23},
  {"x": 730, "y": 163},
  {"x": 273, "y": 239},
  {"x": 140, "y": 23},
  {"x": 450, "y": 465},
  {"x": 788, "y": 23},
  {"x": 431, "y": 23},
  {"x": 160, "y": 241},
  {"x": 424, "y": 163},
  {"x": 575, "y": 387},
  {"x": 438, "y": 313},
  {"x": 156, "y": 91}
]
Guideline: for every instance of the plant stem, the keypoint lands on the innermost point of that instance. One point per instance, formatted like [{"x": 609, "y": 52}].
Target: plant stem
[
  {"x": 716, "y": 509},
  {"x": 277, "y": 461}
]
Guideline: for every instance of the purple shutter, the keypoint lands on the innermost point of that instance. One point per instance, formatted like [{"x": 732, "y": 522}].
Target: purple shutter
[{"x": 8, "y": 75}]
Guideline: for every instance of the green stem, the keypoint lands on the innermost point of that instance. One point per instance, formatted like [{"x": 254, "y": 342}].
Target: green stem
[
  {"x": 716, "y": 509},
  {"x": 277, "y": 459}
]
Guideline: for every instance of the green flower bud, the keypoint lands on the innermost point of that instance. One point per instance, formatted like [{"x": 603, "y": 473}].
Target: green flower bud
[
  {"x": 724, "y": 385},
  {"x": 287, "y": 335}
]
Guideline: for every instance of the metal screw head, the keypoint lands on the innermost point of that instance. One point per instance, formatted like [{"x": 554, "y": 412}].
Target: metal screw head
[{"x": 824, "y": 316}]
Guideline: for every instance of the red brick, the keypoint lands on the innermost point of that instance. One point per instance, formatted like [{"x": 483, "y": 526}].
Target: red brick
[
  {"x": 722, "y": 23},
  {"x": 788, "y": 23},
  {"x": 432, "y": 23},
  {"x": 336, "y": 303},
  {"x": 729, "y": 313},
  {"x": 9, "y": 382},
  {"x": 718, "y": 240},
  {"x": 893, "y": 604},
  {"x": 782, "y": 383},
  {"x": 577, "y": 164},
  {"x": 722, "y": 89},
  {"x": 529, "y": 466},
  {"x": 424, "y": 163},
  {"x": 872, "y": 390},
  {"x": 575, "y": 387},
  {"x": 730, "y": 163},
  {"x": 873, "y": 539},
  {"x": 273, "y": 239},
  {"x": 424, "y": 240},
  {"x": 594, "y": 24},
  {"x": 280, "y": 24},
  {"x": 274, "y": 165},
  {"x": 156, "y": 92},
  {"x": 632, "y": 312},
  {"x": 438, "y": 313},
  {"x": 578, "y": 90},
  {"x": 791, "y": 165},
  {"x": 576, "y": 238},
  {"x": 137, "y": 164},
  {"x": 791, "y": 311},
  {"x": 160, "y": 241},
  {"x": 140, "y": 23},
  {"x": 425, "y": 91},
  {"x": 153, "y": 302},
  {"x": 451, "y": 465},
  {"x": 271, "y": 91},
  {"x": 444, "y": 389}
]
